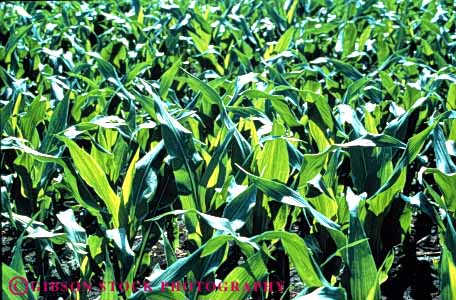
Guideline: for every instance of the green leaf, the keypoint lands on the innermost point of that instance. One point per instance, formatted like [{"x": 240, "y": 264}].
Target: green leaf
[
  {"x": 382, "y": 276},
  {"x": 13, "y": 41},
  {"x": 447, "y": 275},
  {"x": 360, "y": 260},
  {"x": 283, "y": 194},
  {"x": 177, "y": 270},
  {"x": 446, "y": 183},
  {"x": 57, "y": 123},
  {"x": 443, "y": 159},
  {"x": 350, "y": 36},
  {"x": 94, "y": 176},
  {"x": 108, "y": 276},
  {"x": 184, "y": 161},
  {"x": 300, "y": 256},
  {"x": 414, "y": 146},
  {"x": 215, "y": 243},
  {"x": 144, "y": 184},
  {"x": 138, "y": 68},
  {"x": 346, "y": 69},
  {"x": 239, "y": 208},
  {"x": 273, "y": 160},
  {"x": 216, "y": 160},
  {"x": 70, "y": 177},
  {"x": 312, "y": 164},
  {"x": 210, "y": 95},
  {"x": 126, "y": 255},
  {"x": 285, "y": 40},
  {"x": 324, "y": 293},
  {"x": 76, "y": 234},
  {"x": 253, "y": 270},
  {"x": 13, "y": 281},
  {"x": 448, "y": 261},
  {"x": 167, "y": 78}
]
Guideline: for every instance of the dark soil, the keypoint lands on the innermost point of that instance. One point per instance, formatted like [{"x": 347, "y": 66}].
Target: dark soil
[{"x": 413, "y": 275}]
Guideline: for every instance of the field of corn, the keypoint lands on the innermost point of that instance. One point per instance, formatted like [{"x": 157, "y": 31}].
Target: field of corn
[{"x": 302, "y": 145}]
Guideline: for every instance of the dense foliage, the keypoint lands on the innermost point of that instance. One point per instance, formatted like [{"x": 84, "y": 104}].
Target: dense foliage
[{"x": 244, "y": 141}]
